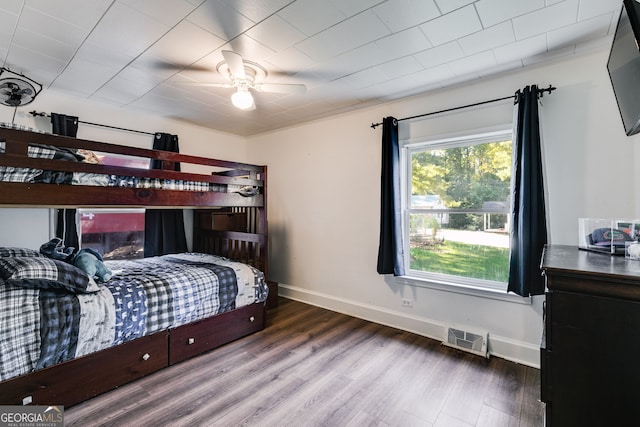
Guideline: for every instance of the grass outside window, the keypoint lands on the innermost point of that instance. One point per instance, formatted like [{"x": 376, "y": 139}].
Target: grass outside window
[{"x": 462, "y": 259}]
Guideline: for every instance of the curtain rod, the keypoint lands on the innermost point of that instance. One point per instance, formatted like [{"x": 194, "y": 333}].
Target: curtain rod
[
  {"x": 35, "y": 113},
  {"x": 542, "y": 91}
]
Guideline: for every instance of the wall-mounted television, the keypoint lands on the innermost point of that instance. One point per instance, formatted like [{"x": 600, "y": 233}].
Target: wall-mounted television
[{"x": 624, "y": 66}]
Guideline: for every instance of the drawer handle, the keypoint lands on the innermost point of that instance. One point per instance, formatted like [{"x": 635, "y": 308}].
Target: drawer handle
[
  {"x": 252, "y": 319},
  {"x": 191, "y": 341},
  {"x": 146, "y": 357}
]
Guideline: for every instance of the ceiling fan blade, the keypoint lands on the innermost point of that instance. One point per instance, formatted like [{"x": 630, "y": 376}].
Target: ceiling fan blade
[
  {"x": 224, "y": 85},
  {"x": 280, "y": 88},
  {"x": 165, "y": 66},
  {"x": 235, "y": 63}
]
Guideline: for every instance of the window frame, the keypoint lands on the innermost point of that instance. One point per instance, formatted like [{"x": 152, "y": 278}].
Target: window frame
[{"x": 439, "y": 281}]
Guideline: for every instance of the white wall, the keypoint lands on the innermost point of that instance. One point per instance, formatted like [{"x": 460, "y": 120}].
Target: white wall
[
  {"x": 323, "y": 199},
  {"x": 24, "y": 228}
]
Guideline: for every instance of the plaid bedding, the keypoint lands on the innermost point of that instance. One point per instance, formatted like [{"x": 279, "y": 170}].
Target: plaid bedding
[
  {"x": 59, "y": 326},
  {"x": 42, "y": 327},
  {"x": 12, "y": 174}
]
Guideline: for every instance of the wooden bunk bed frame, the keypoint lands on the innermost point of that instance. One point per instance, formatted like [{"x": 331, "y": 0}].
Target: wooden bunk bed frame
[{"x": 82, "y": 378}]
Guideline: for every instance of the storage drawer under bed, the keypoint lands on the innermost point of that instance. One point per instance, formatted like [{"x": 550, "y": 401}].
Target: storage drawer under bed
[
  {"x": 85, "y": 377},
  {"x": 189, "y": 340}
]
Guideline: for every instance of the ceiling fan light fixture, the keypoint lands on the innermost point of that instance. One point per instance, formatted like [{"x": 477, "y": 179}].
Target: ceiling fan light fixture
[{"x": 242, "y": 99}]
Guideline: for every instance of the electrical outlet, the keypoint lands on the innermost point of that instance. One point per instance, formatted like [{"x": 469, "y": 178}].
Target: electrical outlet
[{"x": 407, "y": 302}]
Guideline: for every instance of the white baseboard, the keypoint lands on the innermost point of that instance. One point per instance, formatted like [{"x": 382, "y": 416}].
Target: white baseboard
[{"x": 506, "y": 348}]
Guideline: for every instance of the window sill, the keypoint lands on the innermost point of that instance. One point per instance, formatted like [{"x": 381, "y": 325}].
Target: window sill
[{"x": 446, "y": 286}]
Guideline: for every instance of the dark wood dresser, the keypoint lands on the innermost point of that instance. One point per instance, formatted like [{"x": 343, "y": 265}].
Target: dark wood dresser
[{"x": 590, "y": 355}]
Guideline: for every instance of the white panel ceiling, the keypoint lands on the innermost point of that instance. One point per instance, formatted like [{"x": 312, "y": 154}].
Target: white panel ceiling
[{"x": 154, "y": 55}]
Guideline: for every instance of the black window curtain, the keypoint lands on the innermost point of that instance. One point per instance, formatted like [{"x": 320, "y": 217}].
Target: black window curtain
[
  {"x": 391, "y": 248},
  {"x": 66, "y": 226},
  {"x": 164, "y": 228},
  {"x": 64, "y": 125},
  {"x": 529, "y": 225}
]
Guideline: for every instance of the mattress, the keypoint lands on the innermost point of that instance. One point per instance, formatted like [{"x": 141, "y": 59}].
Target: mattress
[{"x": 49, "y": 313}]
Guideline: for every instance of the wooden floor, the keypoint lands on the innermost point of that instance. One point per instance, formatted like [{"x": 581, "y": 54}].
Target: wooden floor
[{"x": 314, "y": 367}]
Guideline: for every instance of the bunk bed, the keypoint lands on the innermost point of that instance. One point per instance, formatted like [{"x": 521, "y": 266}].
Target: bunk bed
[{"x": 36, "y": 171}]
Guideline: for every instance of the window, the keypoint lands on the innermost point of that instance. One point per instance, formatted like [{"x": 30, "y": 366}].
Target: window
[
  {"x": 456, "y": 210},
  {"x": 114, "y": 233}
]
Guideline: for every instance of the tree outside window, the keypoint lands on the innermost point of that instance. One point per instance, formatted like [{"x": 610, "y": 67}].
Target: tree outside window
[{"x": 457, "y": 218}]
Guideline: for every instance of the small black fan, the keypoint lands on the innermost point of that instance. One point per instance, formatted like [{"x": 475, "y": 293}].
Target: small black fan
[{"x": 17, "y": 90}]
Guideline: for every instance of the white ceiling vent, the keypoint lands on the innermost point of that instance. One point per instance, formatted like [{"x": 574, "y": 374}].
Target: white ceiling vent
[{"x": 463, "y": 339}]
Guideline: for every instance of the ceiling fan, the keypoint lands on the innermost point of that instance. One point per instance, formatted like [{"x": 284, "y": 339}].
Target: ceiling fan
[
  {"x": 245, "y": 75},
  {"x": 17, "y": 90}
]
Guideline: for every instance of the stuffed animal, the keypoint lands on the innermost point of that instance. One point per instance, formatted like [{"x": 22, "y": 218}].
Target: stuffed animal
[
  {"x": 55, "y": 249},
  {"x": 91, "y": 263},
  {"x": 86, "y": 259}
]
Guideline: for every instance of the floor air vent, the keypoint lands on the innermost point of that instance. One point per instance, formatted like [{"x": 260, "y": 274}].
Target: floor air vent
[{"x": 473, "y": 342}]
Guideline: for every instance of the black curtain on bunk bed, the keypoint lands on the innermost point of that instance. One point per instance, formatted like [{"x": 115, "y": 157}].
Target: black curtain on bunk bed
[
  {"x": 66, "y": 227},
  {"x": 391, "y": 248},
  {"x": 164, "y": 228},
  {"x": 529, "y": 225}
]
